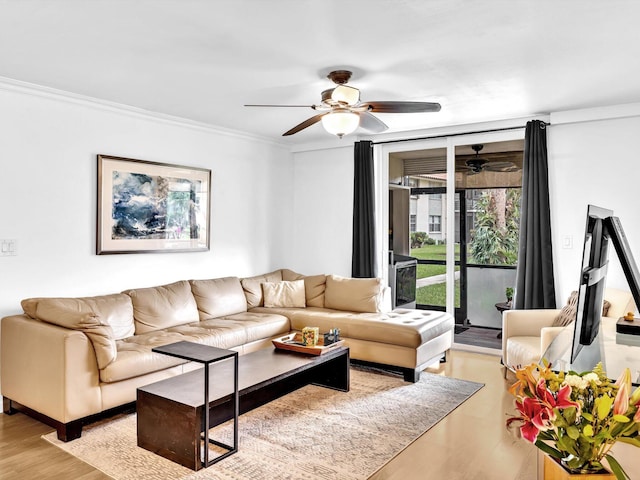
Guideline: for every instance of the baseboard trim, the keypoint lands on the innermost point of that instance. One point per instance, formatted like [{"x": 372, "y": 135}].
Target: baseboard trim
[{"x": 475, "y": 349}]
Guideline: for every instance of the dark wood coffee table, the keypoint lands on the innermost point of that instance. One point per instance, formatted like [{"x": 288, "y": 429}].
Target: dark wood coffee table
[{"x": 170, "y": 412}]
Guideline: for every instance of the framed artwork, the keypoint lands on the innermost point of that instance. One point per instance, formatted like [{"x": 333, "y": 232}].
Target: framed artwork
[{"x": 148, "y": 207}]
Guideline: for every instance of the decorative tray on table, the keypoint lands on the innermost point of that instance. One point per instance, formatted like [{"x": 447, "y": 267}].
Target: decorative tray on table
[{"x": 294, "y": 343}]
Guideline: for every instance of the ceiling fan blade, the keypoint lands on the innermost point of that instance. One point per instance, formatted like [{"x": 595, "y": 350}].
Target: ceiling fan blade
[
  {"x": 371, "y": 123},
  {"x": 307, "y": 123},
  {"x": 501, "y": 167},
  {"x": 403, "y": 107}
]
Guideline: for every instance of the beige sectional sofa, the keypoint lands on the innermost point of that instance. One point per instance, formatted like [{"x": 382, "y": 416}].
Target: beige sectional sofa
[{"x": 66, "y": 360}]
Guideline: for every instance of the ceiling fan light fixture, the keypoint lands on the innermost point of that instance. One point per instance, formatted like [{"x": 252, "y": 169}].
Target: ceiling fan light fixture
[
  {"x": 344, "y": 94},
  {"x": 341, "y": 122}
]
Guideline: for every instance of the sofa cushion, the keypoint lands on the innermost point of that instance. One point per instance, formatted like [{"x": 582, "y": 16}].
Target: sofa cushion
[
  {"x": 522, "y": 351},
  {"x": 314, "y": 286},
  {"x": 253, "y": 287},
  {"x": 284, "y": 294},
  {"x": 218, "y": 297},
  {"x": 402, "y": 327},
  {"x": 135, "y": 357},
  {"x": 234, "y": 330},
  {"x": 115, "y": 309},
  {"x": 354, "y": 294},
  {"x": 80, "y": 314},
  {"x": 164, "y": 306}
]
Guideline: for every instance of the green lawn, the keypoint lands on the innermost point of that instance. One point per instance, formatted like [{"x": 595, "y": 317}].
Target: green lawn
[
  {"x": 432, "y": 252},
  {"x": 436, "y": 294}
]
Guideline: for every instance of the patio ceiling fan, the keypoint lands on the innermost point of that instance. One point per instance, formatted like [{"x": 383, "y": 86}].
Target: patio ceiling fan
[
  {"x": 476, "y": 164},
  {"x": 490, "y": 162},
  {"x": 342, "y": 112}
]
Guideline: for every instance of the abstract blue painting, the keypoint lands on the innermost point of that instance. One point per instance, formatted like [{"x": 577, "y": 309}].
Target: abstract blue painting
[
  {"x": 151, "y": 206},
  {"x": 146, "y": 206}
]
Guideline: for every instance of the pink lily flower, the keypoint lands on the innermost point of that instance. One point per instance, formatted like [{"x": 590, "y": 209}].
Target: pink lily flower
[
  {"x": 621, "y": 402},
  {"x": 535, "y": 416},
  {"x": 561, "y": 400}
]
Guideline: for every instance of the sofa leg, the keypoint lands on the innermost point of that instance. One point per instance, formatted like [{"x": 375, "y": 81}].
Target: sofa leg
[
  {"x": 66, "y": 431},
  {"x": 411, "y": 375},
  {"x": 69, "y": 431},
  {"x": 7, "y": 407},
  {"x": 445, "y": 357}
]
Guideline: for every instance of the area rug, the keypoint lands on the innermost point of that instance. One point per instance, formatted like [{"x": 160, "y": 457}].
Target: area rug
[{"x": 312, "y": 433}]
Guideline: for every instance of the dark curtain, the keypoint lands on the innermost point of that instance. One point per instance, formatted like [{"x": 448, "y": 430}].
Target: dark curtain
[
  {"x": 363, "y": 264},
  {"x": 535, "y": 287}
]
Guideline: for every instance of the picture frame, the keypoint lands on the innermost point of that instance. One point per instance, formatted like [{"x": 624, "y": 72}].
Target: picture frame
[{"x": 151, "y": 207}]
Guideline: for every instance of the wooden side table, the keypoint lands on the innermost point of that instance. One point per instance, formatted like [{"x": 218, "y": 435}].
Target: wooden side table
[
  {"x": 501, "y": 307},
  {"x": 207, "y": 355}
]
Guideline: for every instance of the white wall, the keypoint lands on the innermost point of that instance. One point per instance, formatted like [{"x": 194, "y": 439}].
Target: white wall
[
  {"x": 48, "y": 148},
  {"x": 323, "y": 211},
  {"x": 592, "y": 162},
  {"x": 270, "y": 208}
]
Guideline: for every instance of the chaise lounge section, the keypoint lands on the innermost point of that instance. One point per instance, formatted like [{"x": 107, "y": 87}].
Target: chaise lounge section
[{"x": 66, "y": 360}]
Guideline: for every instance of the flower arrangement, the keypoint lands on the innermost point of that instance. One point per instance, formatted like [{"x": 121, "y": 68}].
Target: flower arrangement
[{"x": 577, "y": 418}]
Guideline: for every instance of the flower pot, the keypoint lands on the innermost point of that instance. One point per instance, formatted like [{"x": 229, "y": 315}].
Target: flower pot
[{"x": 554, "y": 471}]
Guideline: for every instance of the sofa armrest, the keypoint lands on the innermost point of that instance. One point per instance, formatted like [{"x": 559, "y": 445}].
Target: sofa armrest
[
  {"x": 50, "y": 369},
  {"x": 548, "y": 335},
  {"x": 527, "y": 323}
]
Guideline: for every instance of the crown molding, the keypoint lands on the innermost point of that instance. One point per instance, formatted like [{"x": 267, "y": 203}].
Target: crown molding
[
  {"x": 32, "y": 89},
  {"x": 610, "y": 112}
]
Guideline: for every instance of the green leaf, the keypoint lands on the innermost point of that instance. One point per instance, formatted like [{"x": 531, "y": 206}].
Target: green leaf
[
  {"x": 549, "y": 450},
  {"x": 603, "y": 406},
  {"x": 616, "y": 468},
  {"x": 570, "y": 414},
  {"x": 573, "y": 432},
  {"x": 621, "y": 419},
  {"x": 631, "y": 441},
  {"x": 587, "y": 416},
  {"x": 587, "y": 431}
]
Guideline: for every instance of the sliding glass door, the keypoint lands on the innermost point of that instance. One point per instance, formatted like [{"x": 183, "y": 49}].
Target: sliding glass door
[{"x": 429, "y": 247}]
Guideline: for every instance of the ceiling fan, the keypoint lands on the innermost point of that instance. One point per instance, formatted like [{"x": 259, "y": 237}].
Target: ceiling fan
[
  {"x": 490, "y": 162},
  {"x": 476, "y": 164},
  {"x": 343, "y": 112}
]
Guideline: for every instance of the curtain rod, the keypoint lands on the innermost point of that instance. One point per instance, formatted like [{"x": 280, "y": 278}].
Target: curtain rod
[{"x": 544, "y": 125}]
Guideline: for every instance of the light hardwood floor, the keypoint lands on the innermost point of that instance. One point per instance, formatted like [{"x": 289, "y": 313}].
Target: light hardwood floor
[{"x": 470, "y": 443}]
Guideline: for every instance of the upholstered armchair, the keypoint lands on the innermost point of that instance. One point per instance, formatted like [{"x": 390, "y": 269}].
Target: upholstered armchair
[{"x": 526, "y": 334}]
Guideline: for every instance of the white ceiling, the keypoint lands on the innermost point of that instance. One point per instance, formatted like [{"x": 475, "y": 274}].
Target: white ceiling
[{"x": 204, "y": 59}]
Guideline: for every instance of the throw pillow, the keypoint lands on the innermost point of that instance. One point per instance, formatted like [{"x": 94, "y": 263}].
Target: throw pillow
[
  {"x": 569, "y": 311},
  {"x": 284, "y": 294},
  {"x": 252, "y": 287},
  {"x": 364, "y": 295},
  {"x": 314, "y": 286}
]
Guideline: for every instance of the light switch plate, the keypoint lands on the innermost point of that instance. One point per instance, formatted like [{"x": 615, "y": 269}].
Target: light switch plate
[{"x": 8, "y": 247}]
